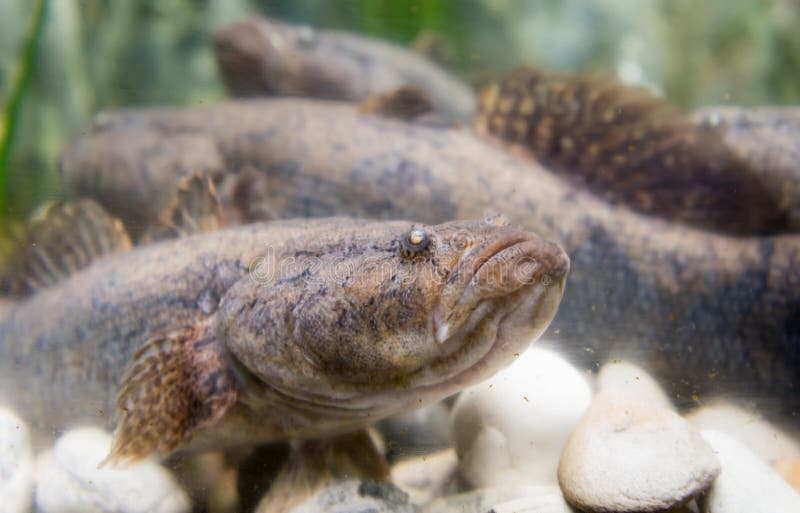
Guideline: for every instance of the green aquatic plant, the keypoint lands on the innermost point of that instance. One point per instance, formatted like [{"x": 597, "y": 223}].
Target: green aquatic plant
[
  {"x": 10, "y": 228},
  {"x": 10, "y": 120}
]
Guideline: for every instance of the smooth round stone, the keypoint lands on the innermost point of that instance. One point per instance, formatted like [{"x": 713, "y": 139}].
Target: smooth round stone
[
  {"x": 512, "y": 428},
  {"x": 746, "y": 484},
  {"x": 506, "y": 499},
  {"x": 549, "y": 500},
  {"x": 354, "y": 496},
  {"x": 16, "y": 464},
  {"x": 628, "y": 456},
  {"x": 767, "y": 441},
  {"x": 624, "y": 379},
  {"x": 70, "y": 482}
]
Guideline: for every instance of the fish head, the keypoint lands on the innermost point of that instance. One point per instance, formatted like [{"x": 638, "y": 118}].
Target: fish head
[
  {"x": 263, "y": 57},
  {"x": 394, "y": 314}
]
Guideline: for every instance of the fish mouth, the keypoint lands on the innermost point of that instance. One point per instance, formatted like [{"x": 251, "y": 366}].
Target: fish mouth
[
  {"x": 505, "y": 266},
  {"x": 509, "y": 326},
  {"x": 508, "y": 302}
]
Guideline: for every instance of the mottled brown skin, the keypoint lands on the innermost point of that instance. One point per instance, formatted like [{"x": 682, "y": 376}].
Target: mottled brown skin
[
  {"x": 631, "y": 148},
  {"x": 707, "y": 313},
  {"x": 262, "y": 57},
  {"x": 64, "y": 238},
  {"x": 767, "y": 137},
  {"x": 322, "y": 326},
  {"x": 147, "y": 173},
  {"x": 195, "y": 208}
]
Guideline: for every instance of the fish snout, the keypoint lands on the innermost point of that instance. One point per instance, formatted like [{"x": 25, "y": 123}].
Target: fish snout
[{"x": 530, "y": 261}]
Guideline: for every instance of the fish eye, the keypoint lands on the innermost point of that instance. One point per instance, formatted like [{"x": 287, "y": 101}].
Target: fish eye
[{"x": 415, "y": 241}]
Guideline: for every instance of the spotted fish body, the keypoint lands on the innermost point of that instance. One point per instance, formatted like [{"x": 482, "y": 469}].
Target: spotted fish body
[
  {"x": 263, "y": 57},
  {"x": 767, "y": 138},
  {"x": 708, "y": 313},
  {"x": 285, "y": 330},
  {"x": 631, "y": 148}
]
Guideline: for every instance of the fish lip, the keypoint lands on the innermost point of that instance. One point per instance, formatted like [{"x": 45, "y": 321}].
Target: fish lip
[
  {"x": 441, "y": 328},
  {"x": 546, "y": 303},
  {"x": 547, "y": 307},
  {"x": 441, "y": 325}
]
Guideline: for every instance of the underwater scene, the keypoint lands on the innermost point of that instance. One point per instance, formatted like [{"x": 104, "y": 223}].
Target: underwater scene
[{"x": 399, "y": 256}]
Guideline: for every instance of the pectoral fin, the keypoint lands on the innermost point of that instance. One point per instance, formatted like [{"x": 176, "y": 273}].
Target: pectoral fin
[
  {"x": 175, "y": 385},
  {"x": 195, "y": 208},
  {"x": 63, "y": 239},
  {"x": 405, "y": 102}
]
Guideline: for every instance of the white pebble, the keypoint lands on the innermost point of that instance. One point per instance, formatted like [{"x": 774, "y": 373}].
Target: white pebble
[
  {"x": 746, "y": 484},
  {"x": 628, "y": 456},
  {"x": 548, "y": 500},
  {"x": 624, "y": 379},
  {"x": 517, "y": 498},
  {"x": 512, "y": 428},
  {"x": 16, "y": 464},
  {"x": 767, "y": 441},
  {"x": 70, "y": 482}
]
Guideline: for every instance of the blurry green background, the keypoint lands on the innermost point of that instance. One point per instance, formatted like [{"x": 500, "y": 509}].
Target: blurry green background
[{"x": 100, "y": 54}]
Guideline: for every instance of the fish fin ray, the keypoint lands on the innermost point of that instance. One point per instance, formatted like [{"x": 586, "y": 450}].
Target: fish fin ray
[
  {"x": 65, "y": 238},
  {"x": 195, "y": 208},
  {"x": 175, "y": 386}
]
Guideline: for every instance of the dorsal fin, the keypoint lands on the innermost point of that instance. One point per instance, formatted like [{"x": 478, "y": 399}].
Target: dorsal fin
[
  {"x": 631, "y": 148},
  {"x": 175, "y": 385},
  {"x": 195, "y": 208},
  {"x": 404, "y": 102},
  {"x": 63, "y": 239}
]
